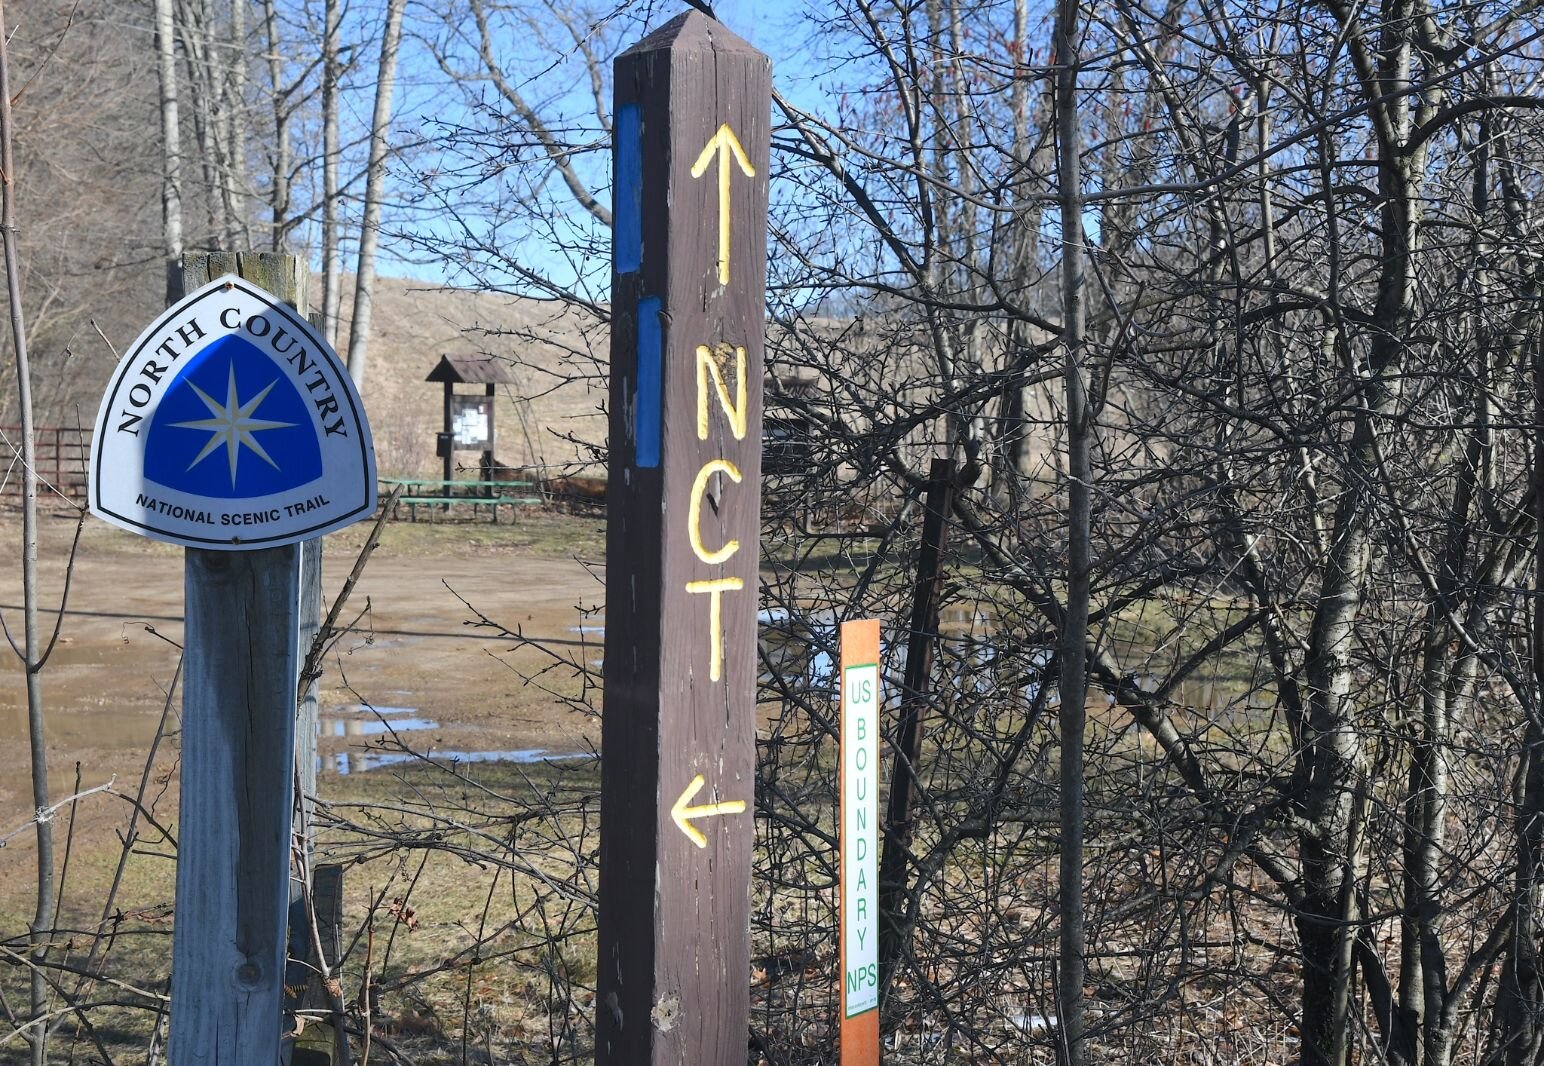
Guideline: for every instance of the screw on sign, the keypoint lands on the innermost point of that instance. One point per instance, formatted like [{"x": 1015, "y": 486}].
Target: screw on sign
[
  {"x": 230, "y": 427},
  {"x": 692, "y": 126}
]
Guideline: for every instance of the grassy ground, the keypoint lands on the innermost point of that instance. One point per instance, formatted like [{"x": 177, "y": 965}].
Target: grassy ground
[
  {"x": 430, "y": 847},
  {"x": 468, "y": 914},
  {"x": 539, "y": 532},
  {"x": 446, "y": 908},
  {"x": 536, "y": 533}
]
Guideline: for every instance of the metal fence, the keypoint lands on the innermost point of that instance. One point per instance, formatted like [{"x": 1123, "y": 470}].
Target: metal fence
[{"x": 62, "y": 455}]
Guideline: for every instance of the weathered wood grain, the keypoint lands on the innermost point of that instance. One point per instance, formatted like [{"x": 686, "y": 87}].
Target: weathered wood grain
[
  {"x": 674, "y": 965},
  {"x": 300, "y": 969},
  {"x": 237, "y": 781},
  {"x": 242, "y": 654}
]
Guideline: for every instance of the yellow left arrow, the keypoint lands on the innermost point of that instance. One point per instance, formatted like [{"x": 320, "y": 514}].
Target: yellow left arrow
[
  {"x": 724, "y": 146},
  {"x": 683, "y": 815}
]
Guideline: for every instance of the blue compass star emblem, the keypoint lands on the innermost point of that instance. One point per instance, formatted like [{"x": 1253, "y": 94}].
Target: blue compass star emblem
[
  {"x": 233, "y": 425},
  {"x": 263, "y": 428}
]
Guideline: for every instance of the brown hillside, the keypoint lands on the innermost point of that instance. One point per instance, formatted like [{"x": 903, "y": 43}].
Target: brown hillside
[{"x": 554, "y": 415}]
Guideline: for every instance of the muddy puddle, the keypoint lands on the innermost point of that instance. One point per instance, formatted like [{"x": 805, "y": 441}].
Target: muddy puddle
[
  {"x": 356, "y": 738},
  {"x": 387, "y": 720},
  {"x": 442, "y": 684},
  {"x": 801, "y": 649},
  {"x": 358, "y": 762}
]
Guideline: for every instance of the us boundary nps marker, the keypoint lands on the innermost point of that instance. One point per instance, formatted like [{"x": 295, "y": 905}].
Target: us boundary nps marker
[
  {"x": 692, "y": 137},
  {"x": 231, "y": 428},
  {"x": 859, "y": 843}
]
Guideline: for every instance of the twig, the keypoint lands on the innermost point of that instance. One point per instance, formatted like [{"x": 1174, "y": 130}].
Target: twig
[
  {"x": 132, "y": 834},
  {"x": 331, "y": 984},
  {"x": 312, "y": 668},
  {"x": 105, "y": 341},
  {"x": 49, "y": 58},
  {"x": 40, "y": 1019},
  {"x": 46, "y": 814},
  {"x": 69, "y": 842},
  {"x": 64, "y": 596}
]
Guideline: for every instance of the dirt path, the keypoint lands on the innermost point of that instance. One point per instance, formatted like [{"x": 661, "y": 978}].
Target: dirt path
[{"x": 418, "y": 653}]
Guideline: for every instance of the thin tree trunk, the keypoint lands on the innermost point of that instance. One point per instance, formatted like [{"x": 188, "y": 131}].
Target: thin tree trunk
[
  {"x": 894, "y": 883},
  {"x": 331, "y": 279},
  {"x": 280, "y": 188},
  {"x": 1520, "y": 998},
  {"x": 963, "y": 118},
  {"x": 1011, "y": 463},
  {"x": 236, "y": 131},
  {"x": 1072, "y": 637},
  {"x": 198, "y": 43},
  {"x": 171, "y": 133},
  {"x": 1332, "y": 754},
  {"x": 1423, "y": 977},
  {"x": 37, "y": 1033},
  {"x": 375, "y": 180},
  {"x": 1333, "y": 742},
  {"x": 193, "y": 31}
]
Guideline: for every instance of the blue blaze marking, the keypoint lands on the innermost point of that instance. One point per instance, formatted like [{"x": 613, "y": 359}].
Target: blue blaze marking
[
  {"x": 232, "y": 426},
  {"x": 627, "y": 191},
  {"x": 647, "y": 420}
]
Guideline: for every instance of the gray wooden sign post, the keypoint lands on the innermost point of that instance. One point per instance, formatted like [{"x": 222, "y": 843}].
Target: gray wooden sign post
[
  {"x": 230, "y": 428},
  {"x": 692, "y": 122},
  {"x": 242, "y": 653}
]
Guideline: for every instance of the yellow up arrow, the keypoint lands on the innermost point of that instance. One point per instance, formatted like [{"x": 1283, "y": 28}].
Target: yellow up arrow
[
  {"x": 723, "y": 144},
  {"x": 683, "y": 815}
]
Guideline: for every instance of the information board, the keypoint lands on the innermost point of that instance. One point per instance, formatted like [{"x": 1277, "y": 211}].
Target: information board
[{"x": 472, "y": 422}]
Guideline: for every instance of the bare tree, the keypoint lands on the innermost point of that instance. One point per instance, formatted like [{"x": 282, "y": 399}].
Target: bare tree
[
  {"x": 375, "y": 181},
  {"x": 1238, "y": 356},
  {"x": 31, "y": 652},
  {"x": 332, "y": 295},
  {"x": 171, "y": 130},
  {"x": 1073, "y": 630},
  {"x": 280, "y": 99}
]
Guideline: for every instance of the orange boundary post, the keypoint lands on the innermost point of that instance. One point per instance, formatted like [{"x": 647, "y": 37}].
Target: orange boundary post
[{"x": 858, "y": 843}]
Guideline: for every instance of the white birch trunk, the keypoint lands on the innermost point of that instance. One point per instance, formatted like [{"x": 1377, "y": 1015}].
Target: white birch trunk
[
  {"x": 236, "y": 130},
  {"x": 279, "y": 190},
  {"x": 171, "y": 135},
  {"x": 375, "y": 181},
  {"x": 331, "y": 279}
]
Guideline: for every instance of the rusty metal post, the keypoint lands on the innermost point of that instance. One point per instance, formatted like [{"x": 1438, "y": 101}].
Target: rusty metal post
[
  {"x": 908, "y": 732},
  {"x": 683, "y": 504}
]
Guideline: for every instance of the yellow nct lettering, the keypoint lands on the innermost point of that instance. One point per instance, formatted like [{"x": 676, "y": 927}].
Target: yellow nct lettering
[
  {"x": 694, "y": 512},
  {"x": 715, "y": 588},
  {"x": 712, "y": 361}
]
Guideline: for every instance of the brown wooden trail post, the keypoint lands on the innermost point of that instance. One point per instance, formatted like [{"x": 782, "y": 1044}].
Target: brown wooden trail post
[
  {"x": 238, "y": 764},
  {"x": 908, "y": 734},
  {"x": 692, "y": 107}
]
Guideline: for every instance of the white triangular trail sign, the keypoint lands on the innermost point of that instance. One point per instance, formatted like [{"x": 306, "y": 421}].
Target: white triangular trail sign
[{"x": 231, "y": 424}]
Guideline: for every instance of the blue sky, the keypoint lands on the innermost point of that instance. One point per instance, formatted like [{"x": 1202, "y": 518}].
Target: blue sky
[{"x": 423, "y": 103}]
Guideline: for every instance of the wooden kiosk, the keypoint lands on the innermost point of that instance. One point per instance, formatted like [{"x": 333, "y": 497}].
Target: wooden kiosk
[{"x": 468, "y": 418}]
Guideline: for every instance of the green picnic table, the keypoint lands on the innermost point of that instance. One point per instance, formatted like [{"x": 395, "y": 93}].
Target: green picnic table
[{"x": 422, "y": 492}]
